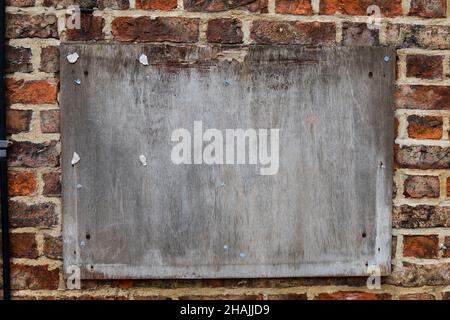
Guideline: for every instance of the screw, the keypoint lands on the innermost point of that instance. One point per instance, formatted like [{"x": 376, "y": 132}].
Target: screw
[
  {"x": 82, "y": 243},
  {"x": 78, "y": 81},
  {"x": 387, "y": 58},
  {"x": 227, "y": 82},
  {"x": 79, "y": 186},
  {"x": 225, "y": 247},
  {"x": 242, "y": 255}
]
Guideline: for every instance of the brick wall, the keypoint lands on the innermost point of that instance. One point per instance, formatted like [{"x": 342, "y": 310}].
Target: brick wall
[{"x": 420, "y": 29}]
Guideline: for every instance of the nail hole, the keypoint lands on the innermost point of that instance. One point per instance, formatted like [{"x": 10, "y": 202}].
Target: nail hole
[
  {"x": 370, "y": 74},
  {"x": 367, "y": 264},
  {"x": 88, "y": 236},
  {"x": 379, "y": 249},
  {"x": 86, "y": 72},
  {"x": 364, "y": 235},
  {"x": 74, "y": 252}
]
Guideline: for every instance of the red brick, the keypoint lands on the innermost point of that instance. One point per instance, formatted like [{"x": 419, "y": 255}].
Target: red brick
[
  {"x": 422, "y": 157},
  {"x": 34, "y": 277},
  {"x": 20, "y": 3},
  {"x": 357, "y": 34},
  {"x": 49, "y": 59},
  {"x": 417, "y": 296},
  {"x": 287, "y": 296},
  {"x": 418, "y": 36},
  {"x": 224, "y": 31},
  {"x": 419, "y": 246},
  {"x": 31, "y": 26},
  {"x": 300, "y": 7},
  {"x": 389, "y": 8},
  {"x": 91, "y": 29},
  {"x": 293, "y": 32},
  {"x": 37, "y": 215},
  {"x": 23, "y": 245},
  {"x": 420, "y": 216},
  {"x": 423, "y": 97},
  {"x": 52, "y": 184},
  {"x": 31, "y": 91},
  {"x": 123, "y": 284},
  {"x": 21, "y": 183},
  {"x": 18, "y": 59},
  {"x": 144, "y": 29},
  {"x": 446, "y": 252},
  {"x": 424, "y": 67},
  {"x": 59, "y": 3},
  {"x": 353, "y": 295},
  {"x": 425, "y": 127},
  {"x": 49, "y": 121},
  {"x": 225, "y": 5},
  {"x": 18, "y": 120},
  {"x": 428, "y": 8},
  {"x": 53, "y": 247},
  {"x": 165, "y": 5},
  {"x": 33, "y": 155}
]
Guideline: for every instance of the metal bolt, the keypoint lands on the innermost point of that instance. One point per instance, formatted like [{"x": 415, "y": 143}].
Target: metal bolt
[
  {"x": 78, "y": 81},
  {"x": 387, "y": 58}
]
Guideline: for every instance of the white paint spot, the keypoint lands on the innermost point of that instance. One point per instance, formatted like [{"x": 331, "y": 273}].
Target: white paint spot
[
  {"x": 75, "y": 158},
  {"x": 143, "y": 160},
  {"x": 72, "y": 58},
  {"x": 143, "y": 60}
]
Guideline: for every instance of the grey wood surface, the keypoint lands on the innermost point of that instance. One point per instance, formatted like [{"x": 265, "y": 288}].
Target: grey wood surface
[{"x": 327, "y": 212}]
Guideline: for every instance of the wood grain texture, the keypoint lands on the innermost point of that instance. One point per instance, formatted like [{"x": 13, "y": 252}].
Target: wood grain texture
[{"x": 326, "y": 213}]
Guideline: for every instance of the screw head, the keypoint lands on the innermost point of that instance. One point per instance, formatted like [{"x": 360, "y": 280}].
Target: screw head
[
  {"x": 78, "y": 81},
  {"x": 387, "y": 58}
]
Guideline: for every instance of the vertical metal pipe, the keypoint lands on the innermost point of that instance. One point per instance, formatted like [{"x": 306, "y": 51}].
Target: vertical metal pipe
[{"x": 3, "y": 163}]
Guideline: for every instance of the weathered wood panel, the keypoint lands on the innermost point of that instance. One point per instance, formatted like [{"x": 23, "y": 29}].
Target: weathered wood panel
[{"x": 325, "y": 213}]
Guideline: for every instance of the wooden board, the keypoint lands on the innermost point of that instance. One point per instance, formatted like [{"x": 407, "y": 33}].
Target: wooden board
[{"x": 325, "y": 213}]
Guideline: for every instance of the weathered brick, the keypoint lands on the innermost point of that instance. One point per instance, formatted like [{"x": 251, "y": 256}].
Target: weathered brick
[
  {"x": 50, "y": 121},
  {"x": 287, "y": 296},
  {"x": 31, "y": 26},
  {"x": 446, "y": 295},
  {"x": 420, "y": 216},
  {"x": 417, "y": 296},
  {"x": 357, "y": 34},
  {"x": 20, "y": 3},
  {"x": 59, "y": 3},
  {"x": 31, "y": 91},
  {"x": 21, "y": 183},
  {"x": 389, "y": 8},
  {"x": 18, "y": 120},
  {"x": 418, "y": 36},
  {"x": 52, "y": 184},
  {"x": 123, "y": 284},
  {"x": 428, "y": 8},
  {"x": 223, "y": 297},
  {"x": 353, "y": 295},
  {"x": 424, "y": 67},
  {"x": 33, "y": 155},
  {"x": 144, "y": 29},
  {"x": 446, "y": 250},
  {"x": 224, "y": 31},
  {"x": 33, "y": 277},
  {"x": 165, "y": 5},
  {"x": 24, "y": 245},
  {"x": 225, "y": 5},
  {"x": 38, "y": 215},
  {"x": 114, "y": 4},
  {"x": 293, "y": 32},
  {"x": 418, "y": 275},
  {"x": 49, "y": 59},
  {"x": 423, "y": 97},
  {"x": 300, "y": 7},
  {"x": 422, "y": 157},
  {"x": 53, "y": 247},
  {"x": 421, "y": 246},
  {"x": 91, "y": 29},
  {"x": 425, "y": 127},
  {"x": 18, "y": 59},
  {"x": 421, "y": 187}
]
